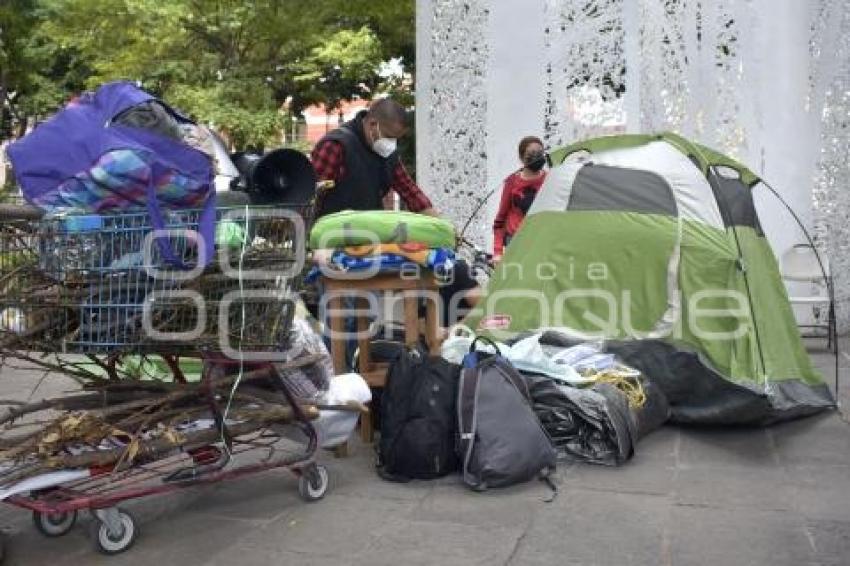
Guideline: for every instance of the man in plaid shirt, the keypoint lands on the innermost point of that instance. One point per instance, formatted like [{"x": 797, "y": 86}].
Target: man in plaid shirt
[{"x": 361, "y": 159}]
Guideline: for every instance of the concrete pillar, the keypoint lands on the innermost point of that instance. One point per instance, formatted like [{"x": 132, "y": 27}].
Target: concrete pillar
[{"x": 424, "y": 100}]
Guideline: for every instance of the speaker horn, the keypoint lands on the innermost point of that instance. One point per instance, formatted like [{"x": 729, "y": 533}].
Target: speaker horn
[{"x": 282, "y": 176}]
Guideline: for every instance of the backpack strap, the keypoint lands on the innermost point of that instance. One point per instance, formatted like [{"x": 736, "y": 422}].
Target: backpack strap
[
  {"x": 546, "y": 477},
  {"x": 485, "y": 340},
  {"x": 416, "y": 357},
  {"x": 467, "y": 420}
]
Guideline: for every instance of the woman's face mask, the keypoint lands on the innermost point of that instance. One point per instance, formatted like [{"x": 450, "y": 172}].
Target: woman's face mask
[{"x": 535, "y": 160}]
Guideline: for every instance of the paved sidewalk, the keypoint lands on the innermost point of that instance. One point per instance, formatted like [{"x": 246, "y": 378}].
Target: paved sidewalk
[{"x": 691, "y": 496}]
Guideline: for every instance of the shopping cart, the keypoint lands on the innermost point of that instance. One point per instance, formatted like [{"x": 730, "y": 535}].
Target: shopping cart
[{"x": 109, "y": 287}]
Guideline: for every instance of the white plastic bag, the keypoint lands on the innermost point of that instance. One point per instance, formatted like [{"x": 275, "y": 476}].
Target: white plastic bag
[
  {"x": 583, "y": 356},
  {"x": 306, "y": 382},
  {"x": 334, "y": 427},
  {"x": 457, "y": 345},
  {"x": 528, "y": 355}
]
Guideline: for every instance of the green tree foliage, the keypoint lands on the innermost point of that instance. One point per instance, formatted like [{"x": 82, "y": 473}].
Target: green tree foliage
[
  {"x": 24, "y": 89},
  {"x": 239, "y": 64},
  {"x": 343, "y": 66}
]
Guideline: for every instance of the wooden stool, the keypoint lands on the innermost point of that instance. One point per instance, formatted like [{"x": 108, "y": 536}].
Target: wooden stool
[{"x": 412, "y": 289}]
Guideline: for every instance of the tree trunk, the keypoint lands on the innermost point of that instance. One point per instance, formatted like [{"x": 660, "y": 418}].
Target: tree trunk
[{"x": 3, "y": 88}]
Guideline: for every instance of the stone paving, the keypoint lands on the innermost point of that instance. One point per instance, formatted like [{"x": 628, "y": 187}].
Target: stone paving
[{"x": 691, "y": 496}]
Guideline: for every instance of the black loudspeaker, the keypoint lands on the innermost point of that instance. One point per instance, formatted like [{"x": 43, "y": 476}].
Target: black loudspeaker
[{"x": 282, "y": 176}]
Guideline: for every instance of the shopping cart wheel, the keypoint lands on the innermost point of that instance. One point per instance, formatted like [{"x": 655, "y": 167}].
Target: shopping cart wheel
[
  {"x": 313, "y": 483},
  {"x": 54, "y": 524},
  {"x": 113, "y": 530}
]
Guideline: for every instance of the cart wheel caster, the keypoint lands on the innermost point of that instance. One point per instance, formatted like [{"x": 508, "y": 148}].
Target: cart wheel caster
[
  {"x": 113, "y": 530},
  {"x": 54, "y": 524},
  {"x": 313, "y": 483}
]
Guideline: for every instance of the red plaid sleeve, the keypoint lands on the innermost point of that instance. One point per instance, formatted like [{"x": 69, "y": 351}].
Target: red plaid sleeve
[
  {"x": 408, "y": 190},
  {"x": 328, "y": 160}
]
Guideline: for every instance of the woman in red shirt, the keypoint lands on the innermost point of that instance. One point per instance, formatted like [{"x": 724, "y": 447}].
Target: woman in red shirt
[{"x": 518, "y": 193}]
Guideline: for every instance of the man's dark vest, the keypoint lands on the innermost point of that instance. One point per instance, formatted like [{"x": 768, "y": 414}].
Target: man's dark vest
[{"x": 367, "y": 175}]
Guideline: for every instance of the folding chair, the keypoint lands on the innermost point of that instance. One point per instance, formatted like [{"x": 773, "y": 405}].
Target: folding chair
[{"x": 802, "y": 264}]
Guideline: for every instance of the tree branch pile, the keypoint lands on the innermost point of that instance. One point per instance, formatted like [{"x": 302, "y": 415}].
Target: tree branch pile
[{"x": 122, "y": 422}]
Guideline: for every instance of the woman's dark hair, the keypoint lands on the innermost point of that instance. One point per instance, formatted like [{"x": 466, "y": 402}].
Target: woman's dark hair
[{"x": 527, "y": 141}]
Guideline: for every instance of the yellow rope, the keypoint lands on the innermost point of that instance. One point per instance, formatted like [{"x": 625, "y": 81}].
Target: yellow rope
[{"x": 627, "y": 383}]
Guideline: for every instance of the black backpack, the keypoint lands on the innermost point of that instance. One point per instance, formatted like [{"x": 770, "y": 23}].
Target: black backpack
[{"x": 418, "y": 418}]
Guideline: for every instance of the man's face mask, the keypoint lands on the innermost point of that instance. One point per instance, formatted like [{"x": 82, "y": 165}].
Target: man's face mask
[
  {"x": 384, "y": 146},
  {"x": 535, "y": 160}
]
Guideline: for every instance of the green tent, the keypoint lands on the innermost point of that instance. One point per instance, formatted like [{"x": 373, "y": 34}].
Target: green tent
[{"x": 652, "y": 242}]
